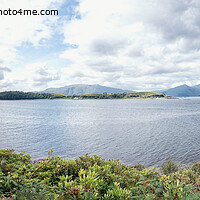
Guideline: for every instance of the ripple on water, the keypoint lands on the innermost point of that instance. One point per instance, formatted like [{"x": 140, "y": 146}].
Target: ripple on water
[{"x": 145, "y": 131}]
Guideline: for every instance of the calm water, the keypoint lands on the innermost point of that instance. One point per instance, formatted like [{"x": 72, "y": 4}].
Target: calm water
[{"x": 145, "y": 131}]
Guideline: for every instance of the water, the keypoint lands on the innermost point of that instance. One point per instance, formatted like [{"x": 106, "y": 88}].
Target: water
[{"x": 146, "y": 131}]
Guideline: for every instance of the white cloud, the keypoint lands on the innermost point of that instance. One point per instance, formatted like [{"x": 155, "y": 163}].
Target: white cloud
[
  {"x": 38, "y": 75},
  {"x": 130, "y": 44},
  {"x": 33, "y": 77},
  {"x": 19, "y": 29},
  {"x": 4, "y": 82},
  {"x": 2, "y": 72},
  {"x": 135, "y": 44}
]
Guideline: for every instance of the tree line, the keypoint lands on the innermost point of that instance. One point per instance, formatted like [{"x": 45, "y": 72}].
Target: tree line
[{"x": 18, "y": 95}]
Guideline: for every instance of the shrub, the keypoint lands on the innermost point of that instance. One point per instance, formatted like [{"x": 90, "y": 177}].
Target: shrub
[
  {"x": 196, "y": 167},
  {"x": 91, "y": 177},
  {"x": 169, "y": 166},
  {"x": 139, "y": 166}
]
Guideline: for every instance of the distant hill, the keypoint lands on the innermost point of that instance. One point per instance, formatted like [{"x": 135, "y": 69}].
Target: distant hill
[
  {"x": 79, "y": 89},
  {"x": 197, "y": 87},
  {"x": 184, "y": 91}
]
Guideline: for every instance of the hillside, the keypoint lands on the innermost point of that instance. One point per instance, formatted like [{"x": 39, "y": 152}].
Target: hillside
[
  {"x": 184, "y": 91},
  {"x": 79, "y": 89},
  {"x": 197, "y": 87}
]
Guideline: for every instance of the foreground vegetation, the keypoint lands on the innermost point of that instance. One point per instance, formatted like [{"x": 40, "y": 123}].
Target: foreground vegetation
[
  {"x": 93, "y": 178},
  {"x": 18, "y": 95}
]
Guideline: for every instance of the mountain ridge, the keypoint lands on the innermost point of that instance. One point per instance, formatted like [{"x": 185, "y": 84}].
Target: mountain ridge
[
  {"x": 78, "y": 89},
  {"x": 183, "y": 91}
]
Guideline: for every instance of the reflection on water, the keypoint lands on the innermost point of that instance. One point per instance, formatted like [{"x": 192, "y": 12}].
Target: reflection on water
[{"x": 145, "y": 131}]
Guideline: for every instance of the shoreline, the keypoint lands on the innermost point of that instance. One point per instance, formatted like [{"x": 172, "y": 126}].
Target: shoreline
[{"x": 86, "y": 99}]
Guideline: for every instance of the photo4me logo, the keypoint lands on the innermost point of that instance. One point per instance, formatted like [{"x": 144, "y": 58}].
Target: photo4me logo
[{"x": 28, "y": 12}]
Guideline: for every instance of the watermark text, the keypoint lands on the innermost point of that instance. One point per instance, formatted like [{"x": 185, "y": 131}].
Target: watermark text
[{"x": 27, "y": 12}]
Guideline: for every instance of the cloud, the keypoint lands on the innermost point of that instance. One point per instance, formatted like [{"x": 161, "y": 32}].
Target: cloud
[
  {"x": 5, "y": 69},
  {"x": 26, "y": 33},
  {"x": 17, "y": 30},
  {"x": 2, "y": 71},
  {"x": 127, "y": 44},
  {"x": 103, "y": 47},
  {"x": 39, "y": 75},
  {"x": 5, "y": 86},
  {"x": 34, "y": 77},
  {"x": 103, "y": 65},
  {"x": 135, "y": 44},
  {"x": 5, "y": 83}
]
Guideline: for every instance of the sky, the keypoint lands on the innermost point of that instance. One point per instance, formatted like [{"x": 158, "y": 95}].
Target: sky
[{"x": 142, "y": 45}]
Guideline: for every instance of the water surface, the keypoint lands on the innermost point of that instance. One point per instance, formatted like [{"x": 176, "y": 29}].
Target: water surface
[{"x": 137, "y": 130}]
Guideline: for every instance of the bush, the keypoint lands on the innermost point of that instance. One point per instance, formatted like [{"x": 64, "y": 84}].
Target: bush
[
  {"x": 196, "y": 167},
  {"x": 169, "y": 166},
  {"x": 139, "y": 166},
  {"x": 91, "y": 177}
]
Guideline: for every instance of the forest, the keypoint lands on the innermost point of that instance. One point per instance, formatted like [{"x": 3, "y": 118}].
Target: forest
[{"x": 19, "y": 95}]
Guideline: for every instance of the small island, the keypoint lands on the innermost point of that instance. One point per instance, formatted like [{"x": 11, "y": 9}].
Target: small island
[{"x": 19, "y": 95}]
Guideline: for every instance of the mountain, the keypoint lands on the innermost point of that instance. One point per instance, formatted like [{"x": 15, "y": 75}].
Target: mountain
[
  {"x": 184, "y": 91},
  {"x": 84, "y": 89},
  {"x": 197, "y": 87}
]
